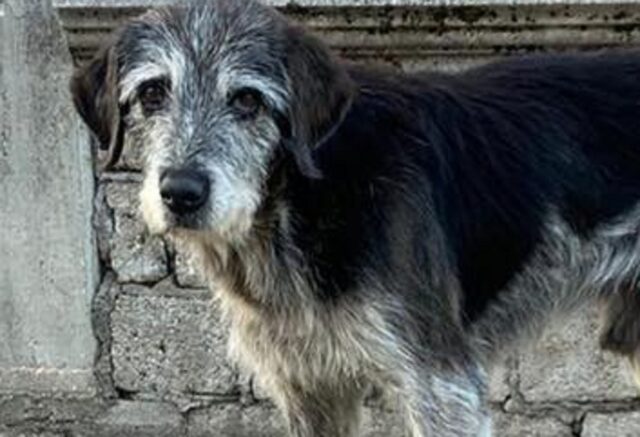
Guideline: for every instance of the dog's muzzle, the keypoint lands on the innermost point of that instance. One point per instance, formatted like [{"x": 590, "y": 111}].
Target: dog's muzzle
[{"x": 184, "y": 191}]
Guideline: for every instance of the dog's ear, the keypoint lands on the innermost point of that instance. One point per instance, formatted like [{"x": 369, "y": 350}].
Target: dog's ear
[
  {"x": 94, "y": 88},
  {"x": 322, "y": 94}
]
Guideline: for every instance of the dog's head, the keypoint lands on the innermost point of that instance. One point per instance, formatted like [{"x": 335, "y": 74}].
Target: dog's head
[{"x": 212, "y": 93}]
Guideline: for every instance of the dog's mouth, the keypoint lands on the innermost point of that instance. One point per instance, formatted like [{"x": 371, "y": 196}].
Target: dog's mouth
[
  {"x": 162, "y": 221},
  {"x": 186, "y": 222}
]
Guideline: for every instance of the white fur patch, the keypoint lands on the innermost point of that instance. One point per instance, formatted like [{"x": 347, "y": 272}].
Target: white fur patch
[
  {"x": 634, "y": 364},
  {"x": 151, "y": 205},
  {"x": 235, "y": 202}
]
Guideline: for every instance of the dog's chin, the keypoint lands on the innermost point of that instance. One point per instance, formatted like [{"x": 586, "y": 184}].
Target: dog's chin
[
  {"x": 185, "y": 234},
  {"x": 232, "y": 228},
  {"x": 166, "y": 225}
]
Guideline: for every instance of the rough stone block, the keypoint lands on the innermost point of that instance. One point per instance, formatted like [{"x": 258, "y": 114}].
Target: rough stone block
[
  {"x": 567, "y": 364},
  {"x": 499, "y": 380},
  {"x": 187, "y": 273},
  {"x": 137, "y": 419},
  {"x": 232, "y": 420},
  {"x": 122, "y": 191},
  {"x": 512, "y": 425},
  {"x": 135, "y": 256},
  {"x": 264, "y": 420},
  {"x": 139, "y": 260},
  {"x": 169, "y": 344},
  {"x": 612, "y": 425}
]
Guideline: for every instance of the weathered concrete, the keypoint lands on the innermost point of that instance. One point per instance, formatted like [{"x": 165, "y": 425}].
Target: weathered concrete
[{"x": 48, "y": 263}]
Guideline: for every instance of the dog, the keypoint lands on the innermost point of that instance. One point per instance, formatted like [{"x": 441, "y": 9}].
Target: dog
[{"x": 365, "y": 226}]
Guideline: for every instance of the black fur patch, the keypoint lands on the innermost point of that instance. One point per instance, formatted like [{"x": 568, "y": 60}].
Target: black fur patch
[{"x": 491, "y": 152}]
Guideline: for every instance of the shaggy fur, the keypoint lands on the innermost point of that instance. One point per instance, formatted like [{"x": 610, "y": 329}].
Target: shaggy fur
[{"x": 372, "y": 227}]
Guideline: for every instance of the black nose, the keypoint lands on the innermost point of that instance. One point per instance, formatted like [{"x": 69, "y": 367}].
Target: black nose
[{"x": 184, "y": 191}]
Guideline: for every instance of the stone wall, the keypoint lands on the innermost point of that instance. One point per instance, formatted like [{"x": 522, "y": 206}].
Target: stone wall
[{"x": 150, "y": 330}]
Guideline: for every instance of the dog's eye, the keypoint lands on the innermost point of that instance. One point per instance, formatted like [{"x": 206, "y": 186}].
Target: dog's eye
[
  {"x": 247, "y": 102},
  {"x": 152, "y": 95}
]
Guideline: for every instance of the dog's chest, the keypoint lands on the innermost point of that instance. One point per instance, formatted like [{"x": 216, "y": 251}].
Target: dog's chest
[{"x": 334, "y": 346}]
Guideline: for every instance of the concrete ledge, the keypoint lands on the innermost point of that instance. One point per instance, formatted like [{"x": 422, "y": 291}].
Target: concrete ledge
[
  {"x": 139, "y": 419},
  {"x": 342, "y": 3},
  {"x": 37, "y": 417},
  {"x": 412, "y": 33}
]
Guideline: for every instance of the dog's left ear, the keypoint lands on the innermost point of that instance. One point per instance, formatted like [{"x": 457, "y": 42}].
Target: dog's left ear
[
  {"x": 323, "y": 92},
  {"x": 95, "y": 94}
]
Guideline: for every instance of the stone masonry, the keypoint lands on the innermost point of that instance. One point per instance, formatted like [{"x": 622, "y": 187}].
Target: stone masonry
[{"x": 134, "y": 346}]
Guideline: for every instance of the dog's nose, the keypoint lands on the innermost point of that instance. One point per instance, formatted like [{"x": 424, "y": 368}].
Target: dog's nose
[{"x": 184, "y": 191}]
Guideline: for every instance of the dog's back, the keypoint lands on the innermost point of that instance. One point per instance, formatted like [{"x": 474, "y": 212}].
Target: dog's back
[{"x": 527, "y": 139}]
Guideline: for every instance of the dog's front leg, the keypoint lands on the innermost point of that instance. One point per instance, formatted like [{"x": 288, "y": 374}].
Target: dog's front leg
[
  {"x": 444, "y": 404},
  {"x": 321, "y": 411}
]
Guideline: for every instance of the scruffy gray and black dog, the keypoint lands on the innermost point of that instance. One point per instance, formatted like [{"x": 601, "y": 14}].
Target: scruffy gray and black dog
[{"x": 374, "y": 227}]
